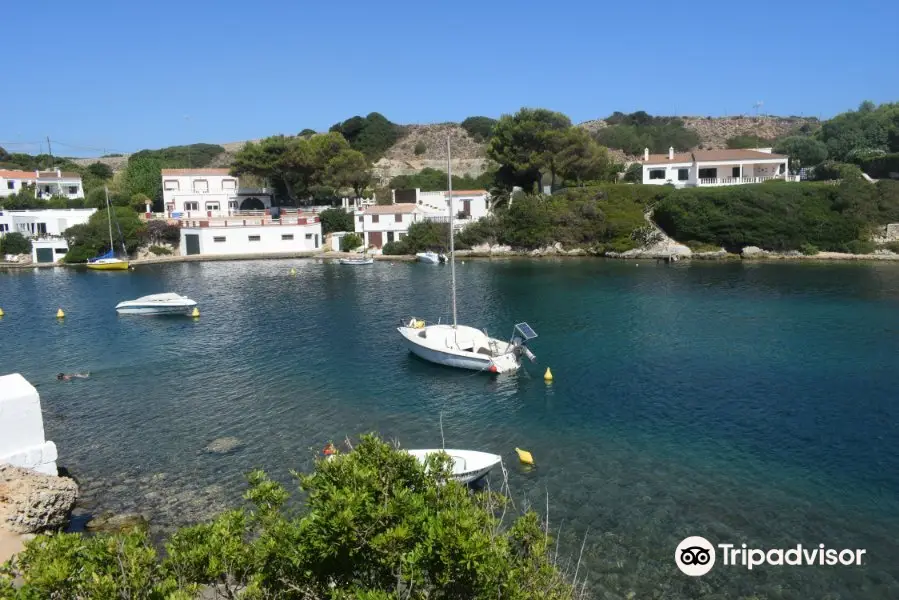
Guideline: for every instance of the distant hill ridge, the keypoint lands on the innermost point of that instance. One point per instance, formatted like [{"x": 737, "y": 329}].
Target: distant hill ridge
[{"x": 469, "y": 155}]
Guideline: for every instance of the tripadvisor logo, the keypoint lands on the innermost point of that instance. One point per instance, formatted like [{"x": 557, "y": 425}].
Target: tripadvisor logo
[{"x": 695, "y": 556}]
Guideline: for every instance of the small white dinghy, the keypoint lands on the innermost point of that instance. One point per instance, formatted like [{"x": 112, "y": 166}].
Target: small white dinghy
[
  {"x": 157, "y": 304},
  {"x": 468, "y": 465},
  {"x": 429, "y": 258},
  {"x": 357, "y": 261}
]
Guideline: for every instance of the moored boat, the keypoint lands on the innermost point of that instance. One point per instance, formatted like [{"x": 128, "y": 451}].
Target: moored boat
[
  {"x": 357, "y": 261},
  {"x": 429, "y": 258},
  {"x": 108, "y": 261},
  {"x": 468, "y": 466},
  {"x": 157, "y": 304}
]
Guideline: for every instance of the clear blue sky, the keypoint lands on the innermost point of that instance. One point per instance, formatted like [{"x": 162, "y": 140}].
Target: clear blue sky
[{"x": 125, "y": 75}]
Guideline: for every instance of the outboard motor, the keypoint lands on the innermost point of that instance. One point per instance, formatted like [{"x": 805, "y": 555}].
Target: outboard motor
[{"x": 527, "y": 352}]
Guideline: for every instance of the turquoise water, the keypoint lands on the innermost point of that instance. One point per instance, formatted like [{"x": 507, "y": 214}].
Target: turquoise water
[{"x": 745, "y": 403}]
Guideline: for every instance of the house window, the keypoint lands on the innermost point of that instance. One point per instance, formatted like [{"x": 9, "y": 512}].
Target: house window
[
  {"x": 201, "y": 185},
  {"x": 374, "y": 218},
  {"x": 286, "y": 237},
  {"x": 170, "y": 185},
  {"x": 212, "y": 206},
  {"x": 228, "y": 184},
  {"x": 657, "y": 174},
  {"x": 10, "y": 185},
  {"x": 401, "y": 235},
  {"x": 361, "y": 219},
  {"x": 308, "y": 236},
  {"x": 219, "y": 239},
  {"x": 42, "y": 229},
  {"x": 4, "y": 227},
  {"x": 191, "y": 206},
  {"x": 398, "y": 218},
  {"x": 389, "y": 236},
  {"x": 735, "y": 172},
  {"x": 683, "y": 174},
  {"x": 232, "y": 204},
  {"x": 711, "y": 173},
  {"x": 47, "y": 189},
  {"x": 73, "y": 189},
  {"x": 254, "y": 238},
  {"x": 60, "y": 250}
]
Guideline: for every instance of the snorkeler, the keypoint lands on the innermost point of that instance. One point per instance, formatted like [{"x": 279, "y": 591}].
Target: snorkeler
[{"x": 64, "y": 377}]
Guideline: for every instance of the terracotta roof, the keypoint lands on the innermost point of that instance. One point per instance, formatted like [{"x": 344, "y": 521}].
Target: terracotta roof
[
  {"x": 712, "y": 155},
  {"x": 196, "y": 171},
  {"x": 17, "y": 174},
  {"x": 62, "y": 175},
  {"x": 390, "y": 209},
  {"x": 468, "y": 192}
]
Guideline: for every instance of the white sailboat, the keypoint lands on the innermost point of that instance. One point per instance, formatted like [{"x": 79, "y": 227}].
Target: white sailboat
[{"x": 462, "y": 346}]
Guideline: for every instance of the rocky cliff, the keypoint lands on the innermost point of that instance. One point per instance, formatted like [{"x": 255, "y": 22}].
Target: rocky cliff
[{"x": 31, "y": 502}]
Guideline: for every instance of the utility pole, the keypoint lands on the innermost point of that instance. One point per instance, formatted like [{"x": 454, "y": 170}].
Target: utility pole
[{"x": 50, "y": 152}]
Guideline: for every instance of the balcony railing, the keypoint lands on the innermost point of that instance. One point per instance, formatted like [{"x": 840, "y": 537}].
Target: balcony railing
[
  {"x": 745, "y": 180},
  {"x": 263, "y": 221}
]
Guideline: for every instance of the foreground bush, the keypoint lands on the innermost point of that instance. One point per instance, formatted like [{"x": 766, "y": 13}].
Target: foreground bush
[{"x": 376, "y": 524}]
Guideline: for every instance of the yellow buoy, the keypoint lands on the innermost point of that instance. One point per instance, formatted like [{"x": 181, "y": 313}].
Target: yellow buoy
[
  {"x": 196, "y": 312},
  {"x": 60, "y": 314},
  {"x": 1, "y": 312},
  {"x": 524, "y": 456},
  {"x": 548, "y": 376},
  {"x": 293, "y": 271}
]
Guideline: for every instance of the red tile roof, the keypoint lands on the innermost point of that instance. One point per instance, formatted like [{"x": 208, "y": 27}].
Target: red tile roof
[
  {"x": 62, "y": 175},
  {"x": 711, "y": 155},
  {"x": 468, "y": 192},
  {"x": 196, "y": 171},
  {"x": 17, "y": 174},
  {"x": 390, "y": 209}
]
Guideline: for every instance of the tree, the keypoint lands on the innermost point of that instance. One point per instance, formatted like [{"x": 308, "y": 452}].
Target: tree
[
  {"x": 479, "y": 128},
  {"x": 179, "y": 157},
  {"x": 15, "y": 243},
  {"x": 636, "y": 131},
  {"x": 92, "y": 238},
  {"x": 803, "y": 151},
  {"x": 869, "y": 127},
  {"x": 143, "y": 176},
  {"x": 23, "y": 199},
  {"x": 307, "y": 133},
  {"x": 350, "y": 242},
  {"x": 634, "y": 173},
  {"x": 582, "y": 159},
  {"x": 139, "y": 202},
  {"x": 100, "y": 170},
  {"x": 336, "y": 219},
  {"x": 527, "y": 142},
  {"x": 349, "y": 168},
  {"x": 372, "y": 135},
  {"x": 420, "y": 148}
]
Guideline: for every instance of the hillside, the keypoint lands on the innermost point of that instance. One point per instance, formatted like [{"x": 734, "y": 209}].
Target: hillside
[{"x": 469, "y": 155}]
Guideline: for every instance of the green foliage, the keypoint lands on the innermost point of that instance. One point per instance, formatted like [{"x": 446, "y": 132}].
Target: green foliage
[
  {"x": 22, "y": 199},
  {"x": 636, "y": 131},
  {"x": 376, "y": 524},
  {"x": 180, "y": 157},
  {"x": 528, "y": 143},
  {"x": 100, "y": 170},
  {"x": 160, "y": 250},
  {"x": 92, "y": 238},
  {"x": 27, "y": 162},
  {"x": 420, "y": 148},
  {"x": 831, "y": 171},
  {"x": 372, "y": 135},
  {"x": 143, "y": 175},
  {"x": 748, "y": 141},
  {"x": 434, "y": 180},
  {"x": 869, "y": 127},
  {"x": 160, "y": 232},
  {"x": 808, "y": 249},
  {"x": 422, "y": 236},
  {"x": 479, "y": 128},
  {"x": 859, "y": 247},
  {"x": 634, "y": 173},
  {"x": 336, "y": 219},
  {"x": 778, "y": 217},
  {"x": 581, "y": 159},
  {"x": 892, "y": 247},
  {"x": 350, "y": 241},
  {"x": 14, "y": 243},
  {"x": 880, "y": 167},
  {"x": 307, "y": 132},
  {"x": 803, "y": 151}
]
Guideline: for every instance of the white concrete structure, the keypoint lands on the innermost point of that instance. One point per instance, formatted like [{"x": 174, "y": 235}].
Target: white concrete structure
[
  {"x": 46, "y": 184},
  {"x": 250, "y": 235},
  {"x": 194, "y": 193},
  {"x": 42, "y": 222},
  {"x": 468, "y": 205},
  {"x": 707, "y": 168},
  {"x": 49, "y": 250},
  {"x": 334, "y": 239},
  {"x": 22, "y": 442},
  {"x": 378, "y": 225}
]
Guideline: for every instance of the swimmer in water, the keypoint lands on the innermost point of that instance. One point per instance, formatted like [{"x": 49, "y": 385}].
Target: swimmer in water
[{"x": 64, "y": 377}]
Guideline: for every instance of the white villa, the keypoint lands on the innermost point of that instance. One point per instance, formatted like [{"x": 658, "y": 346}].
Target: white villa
[
  {"x": 704, "y": 168},
  {"x": 290, "y": 232},
  {"x": 379, "y": 225},
  {"x": 45, "y": 227},
  {"x": 45, "y": 184},
  {"x": 192, "y": 193}
]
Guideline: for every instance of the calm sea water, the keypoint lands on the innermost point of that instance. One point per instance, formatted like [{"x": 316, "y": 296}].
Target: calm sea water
[{"x": 745, "y": 403}]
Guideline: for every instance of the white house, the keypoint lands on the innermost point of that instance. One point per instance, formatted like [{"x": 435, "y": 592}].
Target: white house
[
  {"x": 705, "y": 168},
  {"x": 42, "y": 222},
  {"x": 45, "y": 184},
  {"x": 379, "y": 225},
  {"x": 192, "y": 193},
  {"x": 292, "y": 232}
]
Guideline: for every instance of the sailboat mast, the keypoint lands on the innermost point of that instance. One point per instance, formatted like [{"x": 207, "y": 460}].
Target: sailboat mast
[
  {"x": 109, "y": 219},
  {"x": 452, "y": 231}
]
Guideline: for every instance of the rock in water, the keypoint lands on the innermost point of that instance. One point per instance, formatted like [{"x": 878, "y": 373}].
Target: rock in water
[
  {"x": 224, "y": 445},
  {"x": 111, "y": 523},
  {"x": 31, "y": 502}
]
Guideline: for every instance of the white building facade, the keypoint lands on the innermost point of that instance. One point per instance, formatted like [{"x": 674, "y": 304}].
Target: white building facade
[
  {"x": 195, "y": 193},
  {"x": 45, "y": 184},
  {"x": 45, "y": 228},
  {"x": 250, "y": 235},
  {"x": 711, "y": 168},
  {"x": 22, "y": 442}
]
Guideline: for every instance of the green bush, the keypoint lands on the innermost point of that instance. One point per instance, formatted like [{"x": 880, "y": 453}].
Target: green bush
[
  {"x": 892, "y": 247},
  {"x": 831, "y": 171},
  {"x": 192, "y": 155},
  {"x": 479, "y": 128},
  {"x": 375, "y": 521},
  {"x": 881, "y": 167},
  {"x": 420, "y": 148},
  {"x": 336, "y": 219},
  {"x": 160, "y": 250},
  {"x": 808, "y": 249},
  {"x": 15, "y": 243},
  {"x": 350, "y": 242},
  {"x": 395, "y": 248},
  {"x": 859, "y": 247}
]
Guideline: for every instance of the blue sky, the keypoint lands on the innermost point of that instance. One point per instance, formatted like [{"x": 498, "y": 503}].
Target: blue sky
[{"x": 122, "y": 76}]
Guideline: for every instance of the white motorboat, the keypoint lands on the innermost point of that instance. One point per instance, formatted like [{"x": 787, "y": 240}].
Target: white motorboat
[
  {"x": 157, "y": 304},
  {"x": 357, "y": 261},
  {"x": 429, "y": 258},
  {"x": 468, "y": 465},
  {"x": 462, "y": 346}
]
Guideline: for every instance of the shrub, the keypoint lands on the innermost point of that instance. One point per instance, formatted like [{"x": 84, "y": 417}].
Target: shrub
[
  {"x": 15, "y": 243},
  {"x": 634, "y": 173},
  {"x": 420, "y": 148},
  {"x": 892, "y": 247},
  {"x": 808, "y": 249},
  {"x": 859, "y": 247},
  {"x": 830, "y": 170},
  {"x": 395, "y": 248},
  {"x": 350, "y": 242},
  {"x": 160, "y": 250},
  {"x": 161, "y": 232},
  {"x": 479, "y": 128},
  {"x": 881, "y": 167},
  {"x": 336, "y": 219}
]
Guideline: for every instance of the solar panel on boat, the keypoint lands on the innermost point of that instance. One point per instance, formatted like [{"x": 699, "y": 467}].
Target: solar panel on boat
[{"x": 525, "y": 330}]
